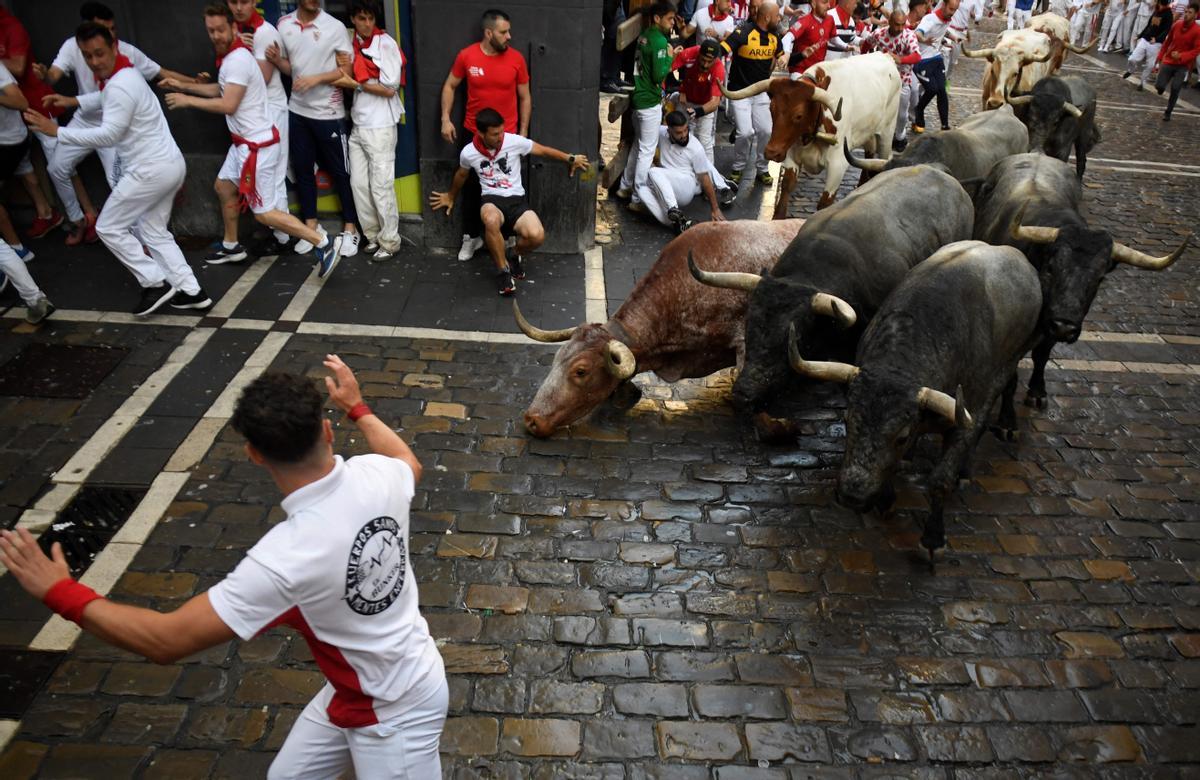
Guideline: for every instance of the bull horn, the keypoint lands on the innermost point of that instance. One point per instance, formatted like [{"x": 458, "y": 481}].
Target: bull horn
[
  {"x": 979, "y": 54},
  {"x": 1083, "y": 49},
  {"x": 817, "y": 369},
  {"x": 1016, "y": 100},
  {"x": 826, "y": 99},
  {"x": 1045, "y": 58},
  {"x": 1130, "y": 256},
  {"x": 757, "y": 88},
  {"x": 952, "y": 409},
  {"x": 1072, "y": 109},
  {"x": 862, "y": 163},
  {"x": 1038, "y": 235},
  {"x": 828, "y": 138},
  {"x": 833, "y": 306},
  {"x": 728, "y": 280},
  {"x": 537, "y": 334},
  {"x": 837, "y": 112},
  {"x": 620, "y": 360}
]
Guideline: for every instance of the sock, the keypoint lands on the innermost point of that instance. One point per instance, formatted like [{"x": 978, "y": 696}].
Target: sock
[
  {"x": 324, "y": 241},
  {"x": 229, "y": 244},
  {"x": 280, "y": 236}
]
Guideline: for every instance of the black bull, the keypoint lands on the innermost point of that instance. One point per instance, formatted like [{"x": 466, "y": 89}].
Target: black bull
[{"x": 1060, "y": 113}]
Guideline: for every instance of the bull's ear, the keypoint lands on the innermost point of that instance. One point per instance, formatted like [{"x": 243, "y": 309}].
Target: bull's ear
[{"x": 821, "y": 78}]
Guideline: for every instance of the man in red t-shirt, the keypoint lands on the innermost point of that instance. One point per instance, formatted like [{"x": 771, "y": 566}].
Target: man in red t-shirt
[
  {"x": 701, "y": 72},
  {"x": 496, "y": 77},
  {"x": 16, "y": 55},
  {"x": 809, "y": 37}
]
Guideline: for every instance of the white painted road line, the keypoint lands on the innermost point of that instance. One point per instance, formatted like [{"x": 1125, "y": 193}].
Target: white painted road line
[
  {"x": 257, "y": 363},
  {"x": 8, "y": 730},
  {"x": 596, "y": 297}
]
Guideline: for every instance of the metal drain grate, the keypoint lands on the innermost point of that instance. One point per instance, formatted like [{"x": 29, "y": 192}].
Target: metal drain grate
[
  {"x": 22, "y": 675},
  {"x": 58, "y": 370},
  {"x": 91, "y": 519}
]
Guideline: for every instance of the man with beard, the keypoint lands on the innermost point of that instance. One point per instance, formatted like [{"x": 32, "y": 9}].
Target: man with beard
[
  {"x": 251, "y": 176},
  {"x": 1177, "y": 56},
  {"x": 701, "y": 71},
  {"x": 685, "y": 172},
  {"x": 754, "y": 47}
]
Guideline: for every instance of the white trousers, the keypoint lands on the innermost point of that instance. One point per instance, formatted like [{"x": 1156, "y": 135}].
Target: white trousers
[
  {"x": 1081, "y": 26},
  {"x": 1016, "y": 17},
  {"x": 373, "y": 182},
  {"x": 65, "y": 161},
  {"x": 1144, "y": 54},
  {"x": 1110, "y": 28},
  {"x": 667, "y": 188},
  {"x": 752, "y": 118},
  {"x": 705, "y": 130},
  {"x": 142, "y": 202},
  {"x": 910, "y": 93},
  {"x": 1134, "y": 24},
  {"x": 48, "y": 143},
  {"x": 646, "y": 122},
  {"x": 280, "y": 118},
  {"x": 18, "y": 274},
  {"x": 406, "y": 749}
]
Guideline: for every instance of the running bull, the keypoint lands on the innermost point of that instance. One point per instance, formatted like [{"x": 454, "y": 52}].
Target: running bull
[
  {"x": 667, "y": 325},
  {"x": 852, "y": 100},
  {"x": 1018, "y": 61},
  {"x": 968, "y": 151},
  {"x": 1061, "y": 116},
  {"x": 838, "y": 271},
  {"x": 937, "y": 356},
  {"x": 1032, "y": 202}
]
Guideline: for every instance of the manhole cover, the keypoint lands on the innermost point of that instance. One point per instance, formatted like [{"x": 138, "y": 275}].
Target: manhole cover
[
  {"x": 58, "y": 370},
  {"x": 22, "y": 675},
  {"x": 92, "y": 518}
]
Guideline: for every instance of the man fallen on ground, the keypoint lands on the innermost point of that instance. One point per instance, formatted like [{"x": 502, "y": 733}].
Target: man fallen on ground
[
  {"x": 683, "y": 173},
  {"x": 495, "y": 157}
]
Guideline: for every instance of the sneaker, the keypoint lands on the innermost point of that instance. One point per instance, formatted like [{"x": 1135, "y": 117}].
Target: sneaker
[
  {"x": 681, "y": 222},
  {"x": 470, "y": 245},
  {"x": 349, "y": 244},
  {"x": 945, "y": 127},
  {"x": 43, "y": 225},
  {"x": 197, "y": 300},
  {"x": 304, "y": 247},
  {"x": 371, "y": 248},
  {"x": 1160, "y": 90},
  {"x": 1141, "y": 85},
  {"x": 1166, "y": 116},
  {"x": 39, "y": 311},
  {"x": 1126, "y": 74},
  {"x": 328, "y": 257},
  {"x": 222, "y": 255},
  {"x": 734, "y": 176},
  {"x": 25, "y": 254},
  {"x": 153, "y": 298},
  {"x": 918, "y": 129},
  {"x": 273, "y": 246},
  {"x": 765, "y": 178},
  {"x": 726, "y": 197},
  {"x": 515, "y": 264},
  {"x": 611, "y": 88},
  {"x": 83, "y": 231},
  {"x": 505, "y": 284},
  {"x": 637, "y": 207},
  {"x": 381, "y": 254},
  {"x": 624, "y": 193}
]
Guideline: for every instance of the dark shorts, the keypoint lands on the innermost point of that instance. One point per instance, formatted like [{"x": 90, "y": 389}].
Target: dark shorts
[
  {"x": 10, "y": 158},
  {"x": 512, "y": 209}
]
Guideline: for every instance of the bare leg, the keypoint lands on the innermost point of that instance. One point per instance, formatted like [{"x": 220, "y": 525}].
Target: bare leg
[
  {"x": 530, "y": 233},
  {"x": 40, "y": 203},
  {"x": 493, "y": 220},
  {"x": 286, "y": 223},
  {"x": 85, "y": 200},
  {"x": 227, "y": 193}
]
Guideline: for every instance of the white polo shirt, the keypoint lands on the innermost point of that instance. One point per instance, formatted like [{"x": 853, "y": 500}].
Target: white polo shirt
[
  {"x": 264, "y": 36},
  {"x": 373, "y": 111},
  {"x": 689, "y": 158},
  {"x": 12, "y": 126},
  {"x": 703, "y": 20},
  {"x": 934, "y": 28},
  {"x": 252, "y": 120},
  {"x": 312, "y": 50},
  {"x": 499, "y": 175},
  {"x": 132, "y": 123},
  {"x": 70, "y": 61},
  {"x": 338, "y": 571}
]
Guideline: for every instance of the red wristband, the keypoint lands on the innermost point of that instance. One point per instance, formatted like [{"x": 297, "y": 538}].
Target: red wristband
[
  {"x": 68, "y": 598},
  {"x": 359, "y": 410}
]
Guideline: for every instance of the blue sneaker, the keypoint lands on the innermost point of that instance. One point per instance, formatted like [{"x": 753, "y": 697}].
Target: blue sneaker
[
  {"x": 221, "y": 255},
  {"x": 328, "y": 257},
  {"x": 26, "y": 255}
]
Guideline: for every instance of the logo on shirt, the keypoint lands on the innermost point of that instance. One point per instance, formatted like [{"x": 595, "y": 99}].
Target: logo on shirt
[
  {"x": 475, "y": 71},
  {"x": 375, "y": 572}
]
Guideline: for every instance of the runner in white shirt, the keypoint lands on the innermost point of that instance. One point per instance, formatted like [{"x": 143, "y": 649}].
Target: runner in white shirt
[
  {"x": 310, "y": 42},
  {"x": 259, "y": 34},
  {"x": 685, "y": 172},
  {"x": 251, "y": 176},
  {"x": 377, "y": 72},
  {"x": 14, "y": 144},
  {"x": 968, "y": 11},
  {"x": 337, "y": 570},
  {"x": 714, "y": 21},
  {"x": 152, "y": 171},
  {"x": 495, "y": 156},
  {"x": 81, "y": 212}
]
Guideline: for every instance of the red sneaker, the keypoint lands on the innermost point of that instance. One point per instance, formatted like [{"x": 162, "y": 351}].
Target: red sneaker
[
  {"x": 83, "y": 231},
  {"x": 43, "y": 225}
]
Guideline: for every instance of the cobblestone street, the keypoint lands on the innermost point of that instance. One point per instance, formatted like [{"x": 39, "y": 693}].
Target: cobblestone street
[{"x": 651, "y": 594}]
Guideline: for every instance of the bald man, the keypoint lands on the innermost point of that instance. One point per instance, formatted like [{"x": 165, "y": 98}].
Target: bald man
[{"x": 754, "y": 47}]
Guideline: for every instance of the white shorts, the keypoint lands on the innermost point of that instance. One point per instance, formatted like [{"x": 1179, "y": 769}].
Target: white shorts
[{"x": 268, "y": 175}]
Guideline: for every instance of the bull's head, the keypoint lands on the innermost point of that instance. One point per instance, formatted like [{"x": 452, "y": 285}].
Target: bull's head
[
  {"x": 1006, "y": 60},
  {"x": 798, "y": 111},
  {"x": 1052, "y": 119},
  {"x": 883, "y": 415},
  {"x": 776, "y": 304},
  {"x": 1072, "y": 261},
  {"x": 586, "y": 370}
]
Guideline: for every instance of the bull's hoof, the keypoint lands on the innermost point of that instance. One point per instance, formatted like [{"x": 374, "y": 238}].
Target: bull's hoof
[
  {"x": 772, "y": 430},
  {"x": 1035, "y": 400},
  {"x": 1003, "y": 432},
  {"x": 933, "y": 541}
]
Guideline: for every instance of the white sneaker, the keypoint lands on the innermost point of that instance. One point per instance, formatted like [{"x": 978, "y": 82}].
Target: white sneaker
[
  {"x": 470, "y": 246},
  {"x": 381, "y": 254},
  {"x": 349, "y": 244},
  {"x": 371, "y": 248},
  {"x": 304, "y": 247}
]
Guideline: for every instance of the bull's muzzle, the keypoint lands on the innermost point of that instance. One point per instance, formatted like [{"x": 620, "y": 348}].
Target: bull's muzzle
[{"x": 537, "y": 425}]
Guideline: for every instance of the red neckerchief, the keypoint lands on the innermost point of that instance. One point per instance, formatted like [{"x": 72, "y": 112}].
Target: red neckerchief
[
  {"x": 237, "y": 44},
  {"x": 365, "y": 68},
  {"x": 122, "y": 62},
  {"x": 248, "y": 180},
  {"x": 939, "y": 11},
  {"x": 482, "y": 147},
  {"x": 720, "y": 18},
  {"x": 252, "y": 24}
]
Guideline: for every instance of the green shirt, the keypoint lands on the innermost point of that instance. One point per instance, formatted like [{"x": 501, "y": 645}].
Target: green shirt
[{"x": 654, "y": 63}]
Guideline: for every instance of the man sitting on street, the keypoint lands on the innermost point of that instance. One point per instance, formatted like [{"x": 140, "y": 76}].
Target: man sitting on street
[
  {"x": 684, "y": 173},
  {"x": 495, "y": 156}
]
